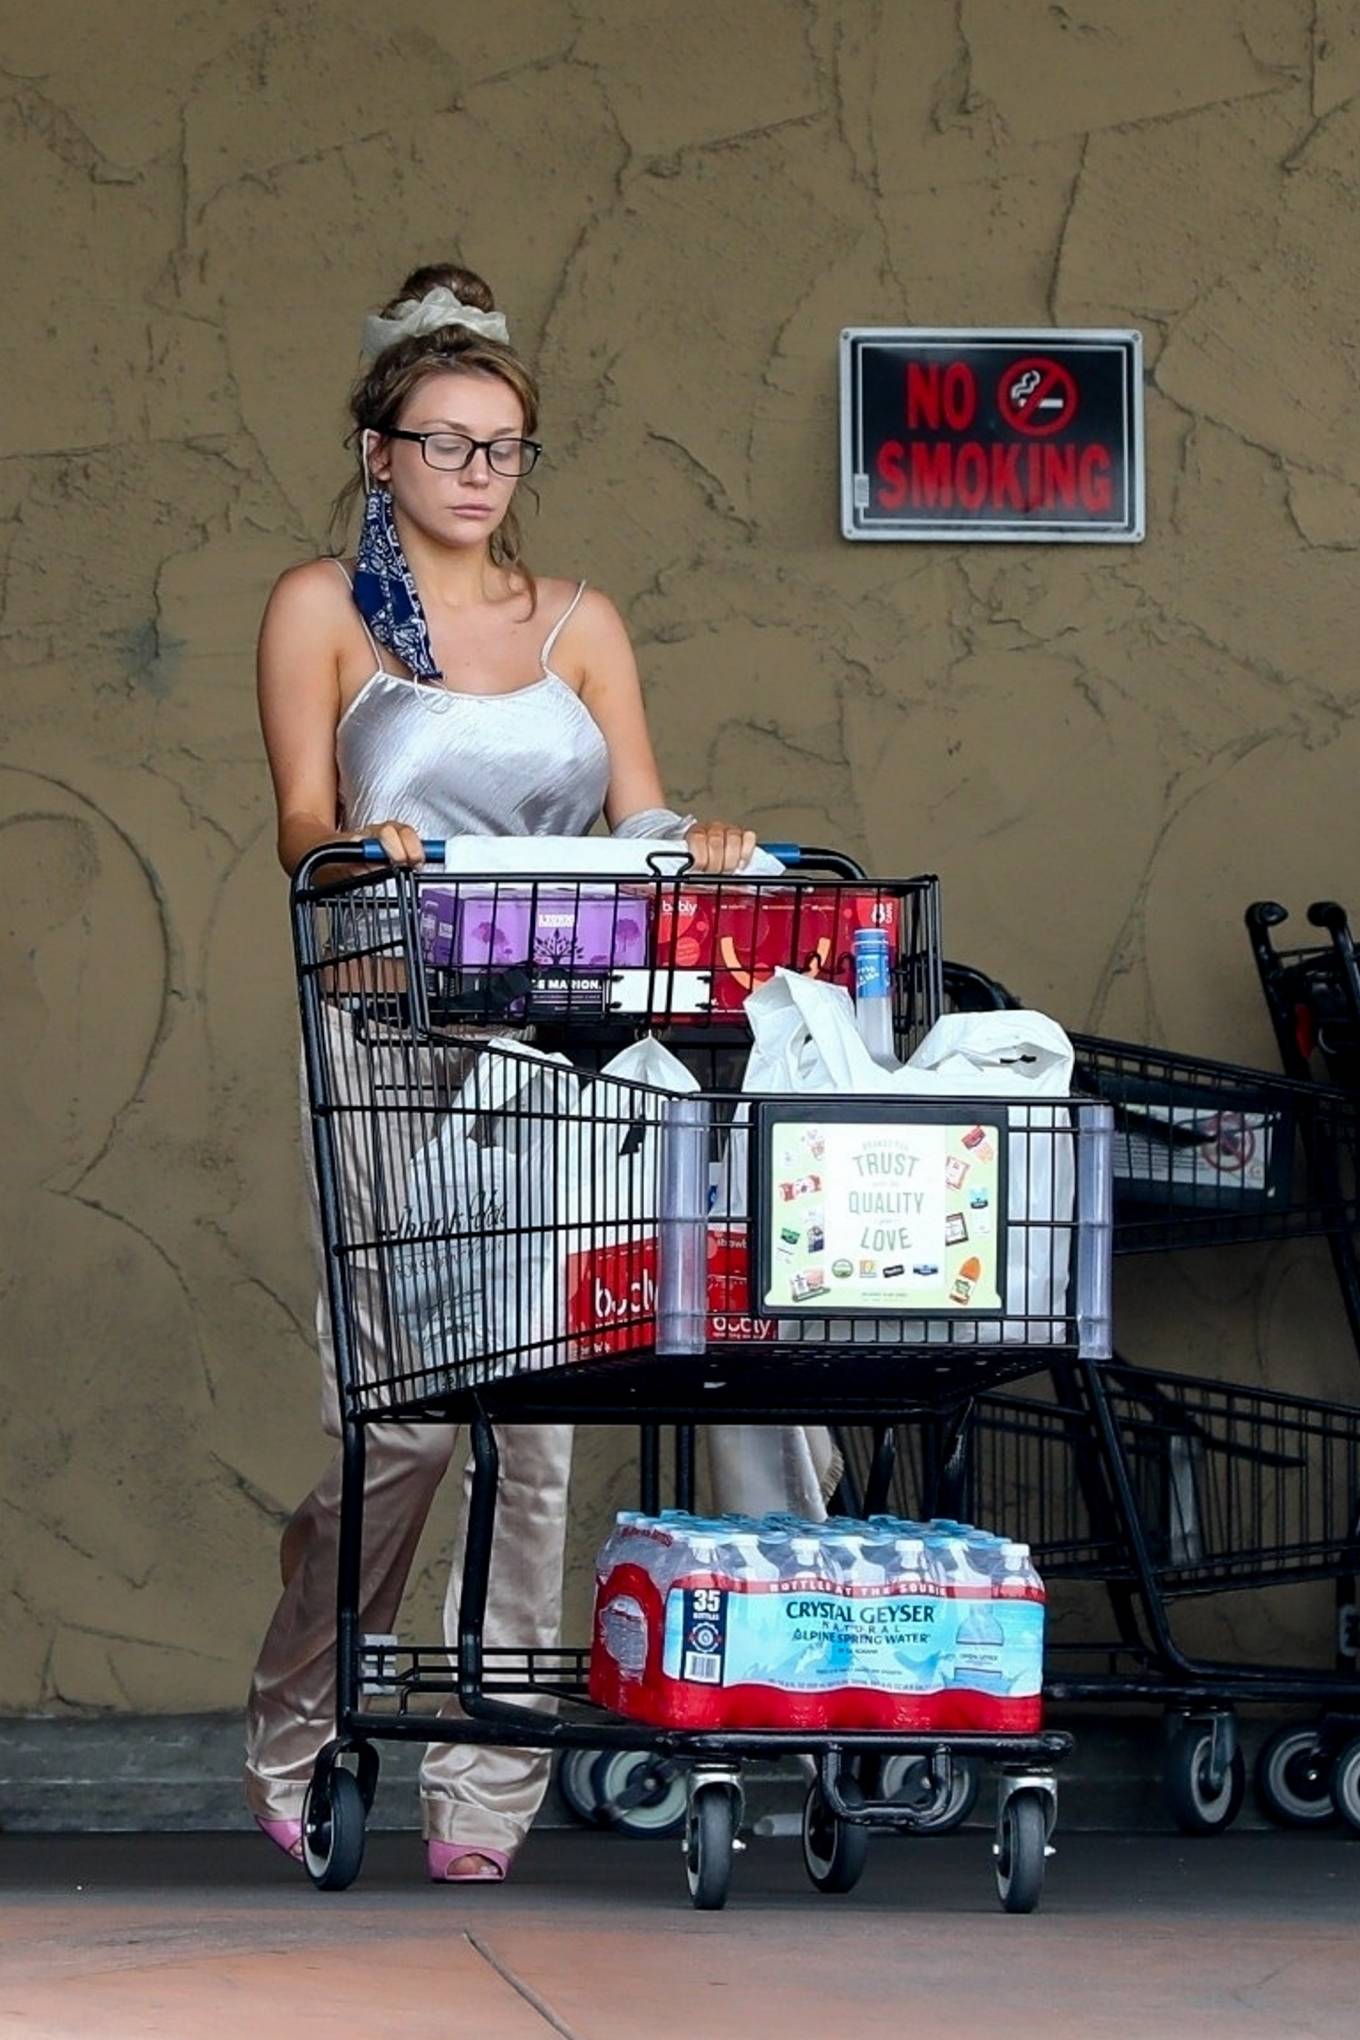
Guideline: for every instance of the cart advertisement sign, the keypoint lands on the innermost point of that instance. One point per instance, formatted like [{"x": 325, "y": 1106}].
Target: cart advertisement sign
[
  {"x": 875, "y": 1212},
  {"x": 991, "y": 435}
]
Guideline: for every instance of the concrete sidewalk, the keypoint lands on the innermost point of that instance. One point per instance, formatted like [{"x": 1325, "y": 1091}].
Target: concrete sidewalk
[{"x": 137, "y": 1937}]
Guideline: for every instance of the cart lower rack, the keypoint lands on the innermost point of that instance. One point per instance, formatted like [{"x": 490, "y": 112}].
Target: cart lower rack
[
  {"x": 1160, "y": 1487},
  {"x": 380, "y": 1684}
]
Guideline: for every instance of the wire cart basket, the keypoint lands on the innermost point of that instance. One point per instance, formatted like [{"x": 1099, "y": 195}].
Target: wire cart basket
[{"x": 513, "y": 1236}]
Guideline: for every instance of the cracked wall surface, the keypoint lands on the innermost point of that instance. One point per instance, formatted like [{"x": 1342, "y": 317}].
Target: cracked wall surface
[{"x": 1105, "y": 752}]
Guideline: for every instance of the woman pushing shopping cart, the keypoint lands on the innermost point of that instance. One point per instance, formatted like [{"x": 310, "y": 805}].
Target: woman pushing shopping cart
[{"x": 509, "y": 1245}]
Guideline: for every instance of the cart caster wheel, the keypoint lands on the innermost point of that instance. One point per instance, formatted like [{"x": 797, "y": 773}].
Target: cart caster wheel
[
  {"x": 1346, "y": 1784},
  {"x": 575, "y": 1771},
  {"x": 333, "y": 1816},
  {"x": 936, "y": 1804},
  {"x": 834, "y": 1851},
  {"x": 1294, "y": 1778},
  {"x": 1021, "y": 1851},
  {"x": 639, "y": 1795},
  {"x": 710, "y": 1833},
  {"x": 1194, "y": 1803}
]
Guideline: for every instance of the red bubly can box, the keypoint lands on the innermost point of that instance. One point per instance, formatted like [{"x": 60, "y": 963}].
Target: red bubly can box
[
  {"x": 740, "y": 935},
  {"x": 611, "y": 1294}
]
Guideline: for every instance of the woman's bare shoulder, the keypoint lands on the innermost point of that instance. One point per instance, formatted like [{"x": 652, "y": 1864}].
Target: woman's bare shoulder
[
  {"x": 553, "y": 593},
  {"x": 312, "y": 588},
  {"x": 595, "y": 611}
]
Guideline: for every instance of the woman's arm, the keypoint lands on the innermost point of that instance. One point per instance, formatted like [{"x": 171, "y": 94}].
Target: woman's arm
[
  {"x": 612, "y": 692},
  {"x": 299, "y": 693}
]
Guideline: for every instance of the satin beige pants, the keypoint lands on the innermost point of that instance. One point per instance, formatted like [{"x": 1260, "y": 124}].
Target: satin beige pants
[{"x": 469, "y": 1794}]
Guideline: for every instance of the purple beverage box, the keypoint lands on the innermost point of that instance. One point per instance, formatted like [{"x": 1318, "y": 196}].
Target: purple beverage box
[
  {"x": 438, "y": 924},
  {"x": 567, "y": 933}
]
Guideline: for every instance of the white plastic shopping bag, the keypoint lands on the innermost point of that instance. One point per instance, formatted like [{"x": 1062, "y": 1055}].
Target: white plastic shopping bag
[
  {"x": 475, "y": 1275},
  {"x": 609, "y": 1188},
  {"x": 804, "y": 1039},
  {"x": 611, "y": 1274}
]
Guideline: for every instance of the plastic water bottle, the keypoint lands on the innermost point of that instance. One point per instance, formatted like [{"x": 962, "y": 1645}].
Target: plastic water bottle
[
  {"x": 843, "y": 1552},
  {"x": 980, "y": 1651},
  {"x": 1024, "y": 1619},
  {"x": 1018, "y": 1562},
  {"x": 883, "y": 1565},
  {"x": 948, "y": 1548},
  {"x": 873, "y": 995},
  {"x": 804, "y": 1556},
  {"x": 742, "y": 1558}
]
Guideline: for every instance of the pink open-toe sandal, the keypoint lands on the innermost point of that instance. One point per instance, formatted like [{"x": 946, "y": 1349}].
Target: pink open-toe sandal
[
  {"x": 493, "y": 1865},
  {"x": 284, "y": 1834}
]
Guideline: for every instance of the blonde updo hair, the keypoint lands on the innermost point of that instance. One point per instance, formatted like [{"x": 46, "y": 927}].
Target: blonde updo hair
[{"x": 379, "y": 396}]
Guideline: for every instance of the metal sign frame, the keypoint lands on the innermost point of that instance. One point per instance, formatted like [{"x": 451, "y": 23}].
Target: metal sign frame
[{"x": 1028, "y": 528}]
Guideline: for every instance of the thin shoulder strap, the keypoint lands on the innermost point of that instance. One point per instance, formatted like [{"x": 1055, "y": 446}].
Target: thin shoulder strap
[
  {"x": 555, "y": 633},
  {"x": 372, "y": 641}
]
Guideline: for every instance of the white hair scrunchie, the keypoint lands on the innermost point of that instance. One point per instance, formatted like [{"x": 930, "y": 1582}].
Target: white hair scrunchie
[{"x": 439, "y": 307}]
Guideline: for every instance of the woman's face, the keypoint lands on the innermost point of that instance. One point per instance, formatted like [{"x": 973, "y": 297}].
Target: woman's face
[{"x": 452, "y": 506}]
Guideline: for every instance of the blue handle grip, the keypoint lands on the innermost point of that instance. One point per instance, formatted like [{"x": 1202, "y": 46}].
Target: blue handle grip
[{"x": 372, "y": 852}]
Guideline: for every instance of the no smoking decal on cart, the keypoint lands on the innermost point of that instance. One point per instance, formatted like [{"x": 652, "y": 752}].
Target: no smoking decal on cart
[{"x": 989, "y": 435}]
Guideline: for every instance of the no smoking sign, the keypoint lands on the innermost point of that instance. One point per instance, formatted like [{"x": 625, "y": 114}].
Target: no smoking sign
[{"x": 990, "y": 435}]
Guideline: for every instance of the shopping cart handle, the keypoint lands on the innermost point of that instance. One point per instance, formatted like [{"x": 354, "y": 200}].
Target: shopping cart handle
[
  {"x": 372, "y": 852},
  {"x": 1328, "y": 914}
]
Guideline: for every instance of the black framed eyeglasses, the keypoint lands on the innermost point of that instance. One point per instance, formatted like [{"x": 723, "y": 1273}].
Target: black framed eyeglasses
[{"x": 453, "y": 451}]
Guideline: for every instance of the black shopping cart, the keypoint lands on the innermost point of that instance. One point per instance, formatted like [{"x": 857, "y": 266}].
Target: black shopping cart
[
  {"x": 1204, "y": 1154},
  {"x": 534, "y": 1245},
  {"x": 1312, "y": 995},
  {"x": 1312, "y": 992},
  {"x": 1159, "y": 1487}
]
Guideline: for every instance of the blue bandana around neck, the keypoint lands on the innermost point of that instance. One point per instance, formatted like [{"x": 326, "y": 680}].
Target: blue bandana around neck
[{"x": 385, "y": 590}]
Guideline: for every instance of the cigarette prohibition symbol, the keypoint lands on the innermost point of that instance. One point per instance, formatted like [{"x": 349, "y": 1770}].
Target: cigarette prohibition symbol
[{"x": 1037, "y": 396}]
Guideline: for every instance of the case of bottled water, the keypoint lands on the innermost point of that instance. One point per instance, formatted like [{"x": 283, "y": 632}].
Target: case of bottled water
[{"x": 775, "y": 1622}]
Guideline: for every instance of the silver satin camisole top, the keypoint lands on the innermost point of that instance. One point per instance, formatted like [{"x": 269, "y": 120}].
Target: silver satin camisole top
[{"x": 530, "y": 762}]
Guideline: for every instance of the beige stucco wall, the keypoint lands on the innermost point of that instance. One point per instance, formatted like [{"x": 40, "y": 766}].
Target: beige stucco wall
[{"x": 1105, "y": 753}]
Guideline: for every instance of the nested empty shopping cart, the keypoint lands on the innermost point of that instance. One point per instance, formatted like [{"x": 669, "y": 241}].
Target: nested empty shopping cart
[
  {"x": 1161, "y": 1486},
  {"x": 512, "y": 1235},
  {"x": 1312, "y": 990}
]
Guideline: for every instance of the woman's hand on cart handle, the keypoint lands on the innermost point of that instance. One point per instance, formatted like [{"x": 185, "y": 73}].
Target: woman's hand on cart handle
[
  {"x": 719, "y": 846},
  {"x": 396, "y": 843}
]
